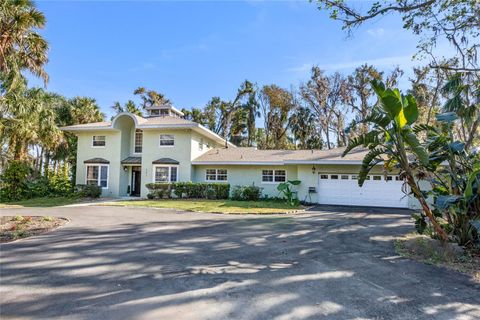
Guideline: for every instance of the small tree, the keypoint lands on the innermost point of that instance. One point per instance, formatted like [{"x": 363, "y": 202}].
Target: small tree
[{"x": 393, "y": 142}]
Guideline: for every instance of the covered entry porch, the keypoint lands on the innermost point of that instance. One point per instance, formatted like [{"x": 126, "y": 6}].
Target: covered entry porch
[{"x": 133, "y": 167}]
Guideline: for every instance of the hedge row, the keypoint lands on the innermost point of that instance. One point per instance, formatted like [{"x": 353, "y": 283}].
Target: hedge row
[{"x": 188, "y": 190}]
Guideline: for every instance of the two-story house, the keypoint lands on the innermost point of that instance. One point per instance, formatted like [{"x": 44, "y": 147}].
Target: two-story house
[{"x": 125, "y": 154}]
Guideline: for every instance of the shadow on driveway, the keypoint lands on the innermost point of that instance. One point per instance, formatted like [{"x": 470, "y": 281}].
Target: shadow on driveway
[{"x": 338, "y": 263}]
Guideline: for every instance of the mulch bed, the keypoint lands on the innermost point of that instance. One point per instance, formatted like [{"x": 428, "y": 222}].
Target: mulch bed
[
  {"x": 451, "y": 256},
  {"x": 19, "y": 227}
]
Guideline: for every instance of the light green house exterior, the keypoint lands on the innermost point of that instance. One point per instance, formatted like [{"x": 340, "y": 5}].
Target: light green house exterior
[{"x": 173, "y": 148}]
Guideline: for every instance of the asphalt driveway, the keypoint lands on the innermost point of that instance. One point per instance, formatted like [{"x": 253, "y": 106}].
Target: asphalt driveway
[{"x": 125, "y": 263}]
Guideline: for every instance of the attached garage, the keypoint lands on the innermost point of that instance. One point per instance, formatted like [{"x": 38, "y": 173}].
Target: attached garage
[{"x": 343, "y": 189}]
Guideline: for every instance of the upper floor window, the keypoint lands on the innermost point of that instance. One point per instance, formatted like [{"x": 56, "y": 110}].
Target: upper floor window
[
  {"x": 216, "y": 175},
  {"x": 274, "y": 176},
  {"x": 97, "y": 175},
  {"x": 98, "y": 141},
  {"x": 167, "y": 140},
  {"x": 138, "y": 140}
]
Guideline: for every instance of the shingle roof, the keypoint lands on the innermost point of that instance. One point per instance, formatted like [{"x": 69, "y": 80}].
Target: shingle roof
[
  {"x": 142, "y": 122},
  {"x": 165, "y": 161},
  {"x": 96, "y": 160},
  {"x": 252, "y": 155},
  {"x": 103, "y": 124},
  {"x": 132, "y": 160}
]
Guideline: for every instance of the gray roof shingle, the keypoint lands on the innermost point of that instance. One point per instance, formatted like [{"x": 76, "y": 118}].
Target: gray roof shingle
[{"x": 96, "y": 160}]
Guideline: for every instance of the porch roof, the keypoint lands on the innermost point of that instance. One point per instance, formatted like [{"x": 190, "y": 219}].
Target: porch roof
[
  {"x": 132, "y": 160},
  {"x": 165, "y": 161},
  {"x": 96, "y": 160}
]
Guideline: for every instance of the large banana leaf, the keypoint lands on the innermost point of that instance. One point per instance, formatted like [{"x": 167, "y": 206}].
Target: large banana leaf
[
  {"x": 369, "y": 161},
  {"x": 410, "y": 110},
  {"x": 369, "y": 139},
  {"x": 412, "y": 141}
]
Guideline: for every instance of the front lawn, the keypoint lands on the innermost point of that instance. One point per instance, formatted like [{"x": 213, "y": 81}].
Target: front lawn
[
  {"x": 42, "y": 202},
  {"x": 215, "y": 206}
]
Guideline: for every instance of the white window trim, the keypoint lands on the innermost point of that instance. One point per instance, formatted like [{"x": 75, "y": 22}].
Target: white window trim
[
  {"x": 167, "y": 146},
  {"x": 169, "y": 166},
  {"x": 99, "y": 173},
  {"x": 273, "y": 182},
  {"x": 216, "y": 175},
  {"x": 134, "y": 139},
  {"x": 99, "y": 146}
]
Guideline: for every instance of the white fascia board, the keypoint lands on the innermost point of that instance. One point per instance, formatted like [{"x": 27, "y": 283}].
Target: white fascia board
[
  {"x": 89, "y": 129},
  {"x": 237, "y": 163},
  {"x": 324, "y": 162},
  {"x": 213, "y": 135}
]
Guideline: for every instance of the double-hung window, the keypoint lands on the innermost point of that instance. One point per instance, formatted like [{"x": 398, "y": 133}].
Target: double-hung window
[
  {"x": 273, "y": 176},
  {"x": 165, "y": 174},
  {"x": 167, "y": 140},
  {"x": 97, "y": 175},
  {"x": 216, "y": 175},
  {"x": 98, "y": 141},
  {"x": 138, "y": 140}
]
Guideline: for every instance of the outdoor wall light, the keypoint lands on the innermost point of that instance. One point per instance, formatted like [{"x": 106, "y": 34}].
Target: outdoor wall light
[
  {"x": 313, "y": 169},
  {"x": 125, "y": 168}
]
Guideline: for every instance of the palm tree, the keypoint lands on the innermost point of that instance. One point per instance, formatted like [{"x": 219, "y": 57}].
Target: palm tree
[
  {"x": 21, "y": 47},
  {"x": 128, "y": 107},
  {"x": 252, "y": 108},
  {"x": 303, "y": 127},
  {"x": 150, "y": 97},
  {"x": 33, "y": 124},
  {"x": 84, "y": 110}
]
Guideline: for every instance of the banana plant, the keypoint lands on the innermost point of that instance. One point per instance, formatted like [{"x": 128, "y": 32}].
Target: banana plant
[
  {"x": 393, "y": 143},
  {"x": 286, "y": 189}
]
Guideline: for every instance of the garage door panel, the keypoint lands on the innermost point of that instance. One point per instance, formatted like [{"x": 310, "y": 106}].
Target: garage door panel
[{"x": 379, "y": 193}]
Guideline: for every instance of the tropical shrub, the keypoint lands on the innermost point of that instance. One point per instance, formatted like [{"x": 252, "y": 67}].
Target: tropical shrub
[
  {"x": 88, "y": 191},
  {"x": 392, "y": 141},
  {"x": 13, "y": 181},
  {"x": 455, "y": 179},
  {"x": 452, "y": 170},
  {"x": 246, "y": 193},
  {"x": 286, "y": 189}
]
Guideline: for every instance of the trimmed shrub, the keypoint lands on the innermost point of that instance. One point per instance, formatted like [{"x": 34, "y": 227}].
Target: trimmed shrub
[
  {"x": 160, "y": 190},
  {"x": 88, "y": 191},
  {"x": 246, "y": 193},
  {"x": 191, "y": 190}
]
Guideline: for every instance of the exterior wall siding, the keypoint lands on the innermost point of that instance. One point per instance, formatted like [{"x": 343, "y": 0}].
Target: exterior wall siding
[
  {"x": 152, "y": 151},
  {"x": 110, "y": 152},
  {"x": 244, "y": 175}
]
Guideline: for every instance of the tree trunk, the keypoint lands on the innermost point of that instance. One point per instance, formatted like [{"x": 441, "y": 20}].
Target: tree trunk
[{"x": 426, "y": 208}]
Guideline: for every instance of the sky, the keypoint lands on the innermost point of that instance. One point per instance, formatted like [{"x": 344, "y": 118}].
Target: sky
[{"x": 194, "y": 50}]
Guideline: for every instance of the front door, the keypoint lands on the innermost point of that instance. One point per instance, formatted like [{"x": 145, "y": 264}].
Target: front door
[{"x": 136, "y": 181}]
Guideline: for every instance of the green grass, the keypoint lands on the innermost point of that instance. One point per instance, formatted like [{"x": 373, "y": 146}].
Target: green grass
[
  {"x": 41, "y": 202},
  {"x": 216, "y": 206}
]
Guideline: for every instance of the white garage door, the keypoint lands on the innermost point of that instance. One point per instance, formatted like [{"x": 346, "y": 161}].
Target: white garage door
[{"x": 343, "y": 189}]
